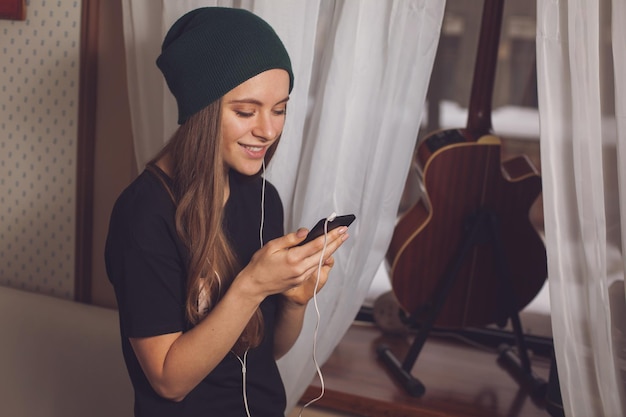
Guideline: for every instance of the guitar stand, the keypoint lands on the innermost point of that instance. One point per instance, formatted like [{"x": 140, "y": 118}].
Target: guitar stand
[{"x": 484, "y": 225}]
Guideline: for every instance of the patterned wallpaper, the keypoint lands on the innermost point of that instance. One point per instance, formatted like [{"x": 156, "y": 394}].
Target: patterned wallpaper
[{"x": 39, "y": 70}]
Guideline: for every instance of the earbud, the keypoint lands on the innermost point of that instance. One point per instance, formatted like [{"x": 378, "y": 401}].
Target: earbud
[{"x": 331, "y": 217}]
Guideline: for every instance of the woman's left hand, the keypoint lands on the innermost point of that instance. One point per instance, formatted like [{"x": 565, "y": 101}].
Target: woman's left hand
[
  {"x": 301, "y": 294},
  {"x": 295, "y": 299}
]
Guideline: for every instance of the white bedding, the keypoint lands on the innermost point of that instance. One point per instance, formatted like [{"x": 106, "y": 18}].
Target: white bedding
[{"x": 59, "y": 358}]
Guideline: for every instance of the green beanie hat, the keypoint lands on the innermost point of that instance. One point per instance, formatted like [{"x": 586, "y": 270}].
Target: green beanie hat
[{"x": 211, "y": 50}]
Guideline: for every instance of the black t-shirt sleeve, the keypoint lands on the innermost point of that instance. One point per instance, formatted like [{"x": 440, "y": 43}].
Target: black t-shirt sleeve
[{"x": 144, "y": 261}]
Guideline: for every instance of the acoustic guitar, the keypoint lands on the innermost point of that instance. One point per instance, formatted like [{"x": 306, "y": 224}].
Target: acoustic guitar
[{"x": 463, "y": 177}]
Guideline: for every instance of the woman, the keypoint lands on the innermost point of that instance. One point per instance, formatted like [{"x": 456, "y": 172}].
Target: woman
[{"x": 210, "y": 291}]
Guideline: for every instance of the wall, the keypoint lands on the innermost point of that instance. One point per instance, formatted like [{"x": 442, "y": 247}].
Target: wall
[{"x": 39, "y": 70}]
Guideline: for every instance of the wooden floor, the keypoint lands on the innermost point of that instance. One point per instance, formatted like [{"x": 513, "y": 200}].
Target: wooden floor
[{"x": 461, "y": 380}]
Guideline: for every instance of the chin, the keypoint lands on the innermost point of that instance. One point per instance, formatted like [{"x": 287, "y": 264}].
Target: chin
[{"x": 249, "y": 169}]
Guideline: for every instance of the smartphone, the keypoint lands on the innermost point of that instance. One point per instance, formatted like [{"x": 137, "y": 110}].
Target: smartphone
[{"x": 318, "y": 229}]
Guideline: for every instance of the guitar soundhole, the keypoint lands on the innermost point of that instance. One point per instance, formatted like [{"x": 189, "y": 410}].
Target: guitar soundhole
[{"x": 444, "y": 138}]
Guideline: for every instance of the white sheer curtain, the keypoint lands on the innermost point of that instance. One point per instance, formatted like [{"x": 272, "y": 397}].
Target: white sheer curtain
[
  {"x": 581, "y": 52},
  {"x": 361, "y": 70}
]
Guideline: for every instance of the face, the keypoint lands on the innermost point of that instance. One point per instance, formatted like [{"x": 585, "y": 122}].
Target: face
[{"x": 253, "y": 116}]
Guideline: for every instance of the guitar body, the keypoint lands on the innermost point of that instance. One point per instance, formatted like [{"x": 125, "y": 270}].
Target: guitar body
[
  {"x": 463, "y": 176},
  {"x": 466, "y": 254}
]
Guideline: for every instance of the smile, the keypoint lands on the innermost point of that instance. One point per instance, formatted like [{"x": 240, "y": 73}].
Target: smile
[{"x": 254, "y": 151}]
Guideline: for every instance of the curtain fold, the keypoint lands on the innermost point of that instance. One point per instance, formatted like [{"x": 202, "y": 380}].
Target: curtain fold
[
  {"x": 366, "y": 107},
  {"x": 581, "y": 76},
  {"x": 361, "y": 74},
  {"x": 143, "y": 32}
]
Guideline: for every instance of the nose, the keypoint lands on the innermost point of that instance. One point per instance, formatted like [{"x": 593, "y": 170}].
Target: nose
[{"x": 266, "y": 128}]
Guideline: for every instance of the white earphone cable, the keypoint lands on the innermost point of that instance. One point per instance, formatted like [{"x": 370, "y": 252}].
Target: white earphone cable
[
  {"x": 317, "y": 310},
  {"x": 262, "y": 206},
  {"x": 244, "y": 362},
  {"x": 317, "y": 324}
]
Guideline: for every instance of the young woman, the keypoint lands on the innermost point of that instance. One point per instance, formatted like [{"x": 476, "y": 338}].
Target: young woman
[{"x": 209, "y": 288}]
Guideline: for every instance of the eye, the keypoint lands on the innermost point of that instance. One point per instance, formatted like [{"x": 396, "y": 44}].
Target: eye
[
  {"x": 244, "y": 114},
  {"x": 280, "y": 111}
]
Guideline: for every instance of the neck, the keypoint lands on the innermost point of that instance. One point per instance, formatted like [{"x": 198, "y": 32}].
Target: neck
[{"x": 166, "y": 164}]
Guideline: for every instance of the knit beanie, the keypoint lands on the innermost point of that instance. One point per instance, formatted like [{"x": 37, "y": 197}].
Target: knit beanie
[{"x": 211, "y": 50}]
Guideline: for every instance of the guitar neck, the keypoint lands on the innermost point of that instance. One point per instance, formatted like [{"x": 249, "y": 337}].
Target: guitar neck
[{"x": 479, "y": 114}]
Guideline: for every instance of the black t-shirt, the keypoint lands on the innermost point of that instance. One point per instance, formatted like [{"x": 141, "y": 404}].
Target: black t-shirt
[{"x": 146, "y": 263}]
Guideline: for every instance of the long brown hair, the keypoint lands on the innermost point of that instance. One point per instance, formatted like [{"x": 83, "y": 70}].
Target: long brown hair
[{"x": 199, "y": 178}]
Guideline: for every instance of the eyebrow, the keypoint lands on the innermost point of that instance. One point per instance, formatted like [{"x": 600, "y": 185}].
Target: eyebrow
[{"x": 255, "y": 101}]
